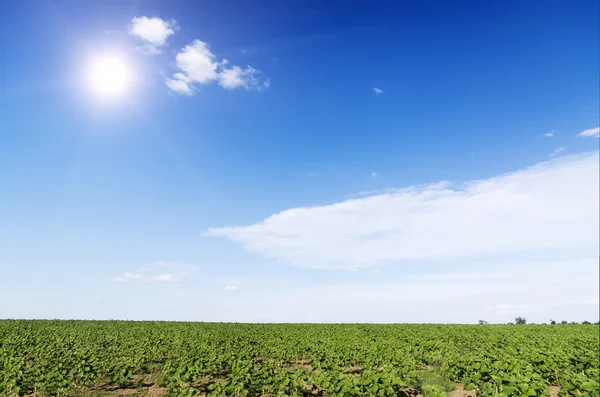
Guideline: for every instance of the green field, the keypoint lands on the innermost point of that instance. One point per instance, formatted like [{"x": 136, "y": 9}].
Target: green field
[{"x": 111, "y": 358}]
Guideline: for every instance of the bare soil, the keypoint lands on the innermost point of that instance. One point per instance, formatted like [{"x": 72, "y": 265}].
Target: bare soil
[
  {"x": 554, "y": 390},
  {"x": 461, "y": 392}
]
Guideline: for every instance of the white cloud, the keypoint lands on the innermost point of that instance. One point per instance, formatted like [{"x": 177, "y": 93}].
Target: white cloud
[
  {"x": 557, "y": 151},
  {"x": 393, "y": 190},
  {"x": 377, "y": 90},
  {"x": 231, "y": 288},
  {"x": 374, "y": 174},
  {"x": 198, "y": 65},
  {"x": 248, "y": 78},
  {"x": 169, "y": 277},
  {"x": 154, "y": 31},
  {"x": 548, "y": 207},
  {"x": 129, "y": 277},
  {"x": 248, "y": 283},
  {"x": 592, "y": 133},
  {"x": 549, "y": 134},
  {"x": 180, "y": 84}
]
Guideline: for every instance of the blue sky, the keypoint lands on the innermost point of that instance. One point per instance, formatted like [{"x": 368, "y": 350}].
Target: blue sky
[{"x": 414, "y": 161}]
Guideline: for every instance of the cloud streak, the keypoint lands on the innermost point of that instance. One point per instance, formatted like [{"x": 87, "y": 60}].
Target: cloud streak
[
  {"x": 178, "y": 272},
  {"x": 557, "y": 151},
  {"x": 141, "y": 277},
  {"x": 544, "y": 208}
]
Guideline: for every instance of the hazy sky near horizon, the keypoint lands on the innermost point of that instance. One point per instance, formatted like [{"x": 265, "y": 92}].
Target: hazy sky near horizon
[{"x": 303, "y": 161}]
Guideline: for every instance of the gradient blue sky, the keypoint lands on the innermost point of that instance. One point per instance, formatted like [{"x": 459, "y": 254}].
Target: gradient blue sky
[{"x": 313, "y": 197}]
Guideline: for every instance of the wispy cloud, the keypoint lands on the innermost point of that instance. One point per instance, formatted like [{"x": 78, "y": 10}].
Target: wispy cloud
[
  {"x": 591, "y": 133},
  {"x": 231, "y": 288},
  {"x": 522, "y": 308},
  {"x": 393, "y": 190},
  {"x": 374, "y": 174},
  {"x": 248, "y": 78},
  {"x": 154, "y": 31},
  {"x": 549, "y": 134},
  {"x": 198, "y": 65},
  {"x": 180, "y": 84},
  {"x": 377, "y": 91},
  {"x": 557, "y": 151},
  {"x": 550, "y": 206},
  {"x": 141, "y": 277},
  {"x": 177, "y": 272},
  {"x": 250, "y": 283}
]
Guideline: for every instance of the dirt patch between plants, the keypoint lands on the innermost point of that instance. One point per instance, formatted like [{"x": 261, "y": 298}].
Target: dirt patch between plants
[
  {"x": 355, "y": 370},
  {"x": 295, "y": 364},
  {"x": 554, "y": 390},
  {"x": 461, "y": 392}
]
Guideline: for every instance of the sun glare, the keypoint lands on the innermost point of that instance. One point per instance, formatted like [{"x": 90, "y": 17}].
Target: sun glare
[{"x": 110, "y": 77}]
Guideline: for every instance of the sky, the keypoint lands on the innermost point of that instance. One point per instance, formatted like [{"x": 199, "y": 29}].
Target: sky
[{"x": 300, "y": 161}]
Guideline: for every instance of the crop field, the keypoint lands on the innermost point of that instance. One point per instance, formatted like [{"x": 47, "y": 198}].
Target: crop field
[{"x": 114, "y": 358}]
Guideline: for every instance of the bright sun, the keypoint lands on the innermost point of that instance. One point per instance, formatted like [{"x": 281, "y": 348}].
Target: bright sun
[{"x": 110, "y": 76}]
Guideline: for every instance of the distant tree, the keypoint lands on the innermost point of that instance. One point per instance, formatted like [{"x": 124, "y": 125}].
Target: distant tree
[
  {"x": 483, "y": 322},
  {"x": 552, "y": 322},
  {"x": 564, "y": 322},
  {"x": 586, "y": 323},
  {"x": 520, "y": 320}
]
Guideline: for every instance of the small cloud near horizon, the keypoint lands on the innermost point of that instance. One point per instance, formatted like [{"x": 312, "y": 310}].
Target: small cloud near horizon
[{"x": 591, "y": 133}]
